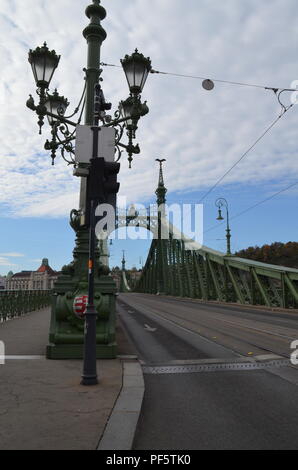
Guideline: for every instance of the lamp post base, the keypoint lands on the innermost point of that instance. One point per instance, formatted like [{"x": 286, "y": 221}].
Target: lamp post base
[
  {"x": 89, "y": 380},
  {"x": 66, "y": 339},
  {"x": 76, "y": 351}
]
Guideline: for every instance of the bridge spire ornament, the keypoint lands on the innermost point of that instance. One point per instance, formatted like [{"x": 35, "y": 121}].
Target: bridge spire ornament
[{"x": 161, "y": 189}]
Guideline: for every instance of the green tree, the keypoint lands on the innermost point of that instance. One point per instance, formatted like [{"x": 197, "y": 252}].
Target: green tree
[{"x": 282, "y": 254}]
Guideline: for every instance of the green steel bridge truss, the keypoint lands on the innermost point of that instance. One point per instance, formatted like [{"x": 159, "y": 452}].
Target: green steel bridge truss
[
  {"x": 180, "y": 267},
  {"x": 19, "y": 302}
]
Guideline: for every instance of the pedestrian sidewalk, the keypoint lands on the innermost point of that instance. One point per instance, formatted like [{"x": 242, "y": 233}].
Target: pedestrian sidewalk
[{"x": 42, "y": 404}]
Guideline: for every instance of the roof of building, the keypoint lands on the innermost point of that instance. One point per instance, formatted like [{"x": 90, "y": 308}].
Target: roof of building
[
  {"x": 44, "y": 268},
  {"x": 22, "y": 274}
]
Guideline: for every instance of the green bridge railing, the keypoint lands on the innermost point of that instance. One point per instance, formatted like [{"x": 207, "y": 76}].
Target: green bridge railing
[{"x": 15, "y": 303}]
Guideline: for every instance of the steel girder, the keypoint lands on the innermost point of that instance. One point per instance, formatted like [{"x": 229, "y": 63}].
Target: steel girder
[{"x": 186, "y": 269}]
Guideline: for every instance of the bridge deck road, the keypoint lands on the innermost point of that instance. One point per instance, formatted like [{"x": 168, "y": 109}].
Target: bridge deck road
[{"x": 187, "y": 404}]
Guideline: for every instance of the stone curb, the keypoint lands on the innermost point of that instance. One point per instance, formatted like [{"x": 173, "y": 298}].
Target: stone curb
[{"x": 121, "y": 426}]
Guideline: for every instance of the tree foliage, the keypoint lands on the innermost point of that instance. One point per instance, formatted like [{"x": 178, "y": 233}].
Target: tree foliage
[{"x": 282, "y": 254}]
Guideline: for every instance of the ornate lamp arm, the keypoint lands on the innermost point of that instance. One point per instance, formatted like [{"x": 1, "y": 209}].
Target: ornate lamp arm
[{"x": 41, "y": 110}]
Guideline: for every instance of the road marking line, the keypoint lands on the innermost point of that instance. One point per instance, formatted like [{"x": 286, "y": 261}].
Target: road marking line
[
  {"x": 21, "y": 357},
  {"x": 148, "y": 328}
]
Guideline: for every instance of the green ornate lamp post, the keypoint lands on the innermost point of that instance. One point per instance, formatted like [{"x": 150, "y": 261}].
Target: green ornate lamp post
[
  {"x": 71, "y": 290},
  {"x": 222, "y": 202}
]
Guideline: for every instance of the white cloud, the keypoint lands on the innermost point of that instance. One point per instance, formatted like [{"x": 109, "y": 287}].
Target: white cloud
[
  {"x": 6, "y": 262},
  {"x": 12, "y": 255},
  {"x": 201, "y": 134}
]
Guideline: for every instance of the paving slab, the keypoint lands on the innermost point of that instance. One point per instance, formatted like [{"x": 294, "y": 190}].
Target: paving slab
[
  {"x": 42, "y": 404},
  {"x": 28, "y": 334},
  {"x": 44, "y": 407}
]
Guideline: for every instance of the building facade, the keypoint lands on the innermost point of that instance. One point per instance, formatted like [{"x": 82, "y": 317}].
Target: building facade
[
  {"x": 2, "y": 282},
  {"x": 42, "y": 279}
]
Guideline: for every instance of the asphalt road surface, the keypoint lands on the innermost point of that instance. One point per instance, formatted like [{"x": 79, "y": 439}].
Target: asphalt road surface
[{"x": 216, "y": 376}]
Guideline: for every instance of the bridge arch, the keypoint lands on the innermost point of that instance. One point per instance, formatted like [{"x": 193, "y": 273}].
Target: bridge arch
[{"x": 179, "y": 266}]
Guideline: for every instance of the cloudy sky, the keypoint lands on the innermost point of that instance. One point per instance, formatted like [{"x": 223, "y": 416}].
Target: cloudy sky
[{"x": 201, "y": 134}]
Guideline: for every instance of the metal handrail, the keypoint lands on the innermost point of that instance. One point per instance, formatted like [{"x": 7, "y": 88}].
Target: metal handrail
[{"x": 15, "y": 303}]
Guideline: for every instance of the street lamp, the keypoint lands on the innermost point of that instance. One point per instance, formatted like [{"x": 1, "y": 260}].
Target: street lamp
[
  {"x": 130, "y": 111},
  {"x": 126, "y": 110},
  {"x": 136, "y": 68},
  {"x": 98, "y": 184},
  {"x": 222, "y": 202},
  {"x": 56, "y": 106},
  {"x": 43, "y": 63}
]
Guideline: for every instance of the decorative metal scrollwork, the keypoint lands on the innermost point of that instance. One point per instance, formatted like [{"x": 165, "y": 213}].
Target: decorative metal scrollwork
[
  {"x": 75, "y": 219},
  {"x": 119, "y": 129},
  {"x": 61, "y": 138}
]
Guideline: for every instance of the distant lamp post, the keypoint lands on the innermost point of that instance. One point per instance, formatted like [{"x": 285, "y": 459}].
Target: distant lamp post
[{"x": 222, "y": 202}]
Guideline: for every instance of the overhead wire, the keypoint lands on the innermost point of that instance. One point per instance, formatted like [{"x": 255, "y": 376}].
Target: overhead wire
[
  {"x": 274, "y": 89},
  {"x": 246, "y": 152},
  {"x": 229, "y": 82},
  {"x": 268, "y": 129}
]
